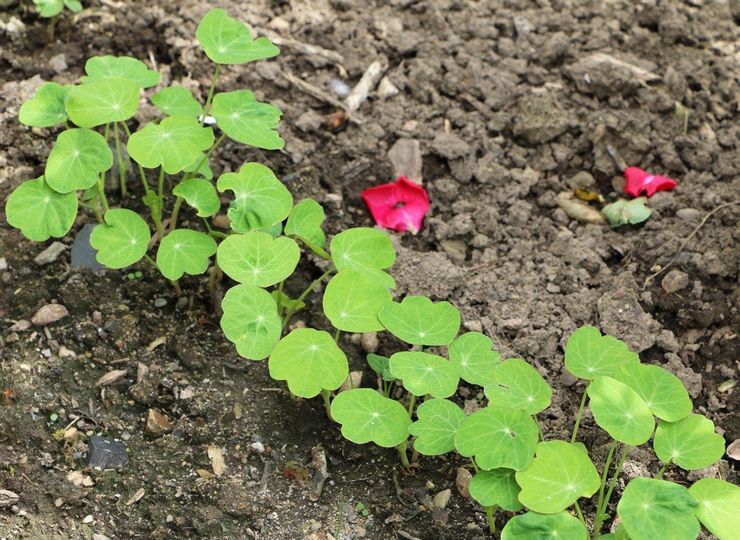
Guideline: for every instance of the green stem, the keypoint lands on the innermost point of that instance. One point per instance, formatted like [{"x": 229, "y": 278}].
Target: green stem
[
  {"x": 176, "y": 285},
  {"x": 580, "y": 515},
  {"x": 336, "y": 338},
  {"x": 539, "y": 428},
  {"x": 96, "y": 209},
  {"x": 160, "y": 184},
  {"x": 605, "y": 473},
  {"x": 142, "y": 174},
  {"x": 490, "y": 511},
  {"x": 150, "y": 260},
  {"x": 175, "y": 213},
  {"x": 474, "y": 464},
  {"x": 119, "y": 156},
  {"x": 402, "y": 453},
  {"x": 212, "y": 281},
  {"x": 412, "y": 402},
  {"x": 662, "y": 471},
  {"x": 325, "y": 395},
  {"x": 101, "y": 193},
  {"x": 290, "y": 312},
  {"x": 579, "y": 415},
  {"x": 601, "y": 512},
  {"x": 214, "y": 80}
]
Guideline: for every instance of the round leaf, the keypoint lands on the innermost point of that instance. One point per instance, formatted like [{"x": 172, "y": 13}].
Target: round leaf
[
  {"x": 531, "y": 526},
  {"x": 310, "y": 361},
  {"x": 39, "y": 211},
  {"x": 367, "y": 416},
  {"x": 588, "y": 354},
  {"x": 498, "y": 437},
  {"x": 560, "y": 474},
  {"x": 177, "y": 101},
  {"x": 419, "y": 321},
  {"x": 381, "y": 366},
  {"x": 200, "y": 194},
  {"x": 718, "y": 507},
  {"x": 352, "y": 302},
  {"x": 690, "y": 443},
  {"x": 438, "y": 420},
  {"x": 125, "y": 67},
  {"x": 362, "y": 249},
  {"x": 46, "y": 108},
  {"x": 246, "y": 120},
  {"x": 519, "y": 386},
  {"x": 663, "y": 392},
  {"x": 620, "y": 411},
  {"x": 229, "y": 41},
  {"x": 472, "y": 353},
  {"x": 257, "y": 258},
  {"x": 77, "y": 159},
  {"x": 261, "y": 200},
  {"x": 184, "y": 251},
  {"x": 122, "y": 239},
  {"x": 251, "y": 321},
  {"x": 423, "y": 373},
  {"x": 101, "y": 101},
  {"x": 49, "y": 8},
  {"x": 653, "y": 509},
  {"x": 305, "y": 221},
  {"x": 496, "y": 488},
  {"x": 173, "y": 144}
]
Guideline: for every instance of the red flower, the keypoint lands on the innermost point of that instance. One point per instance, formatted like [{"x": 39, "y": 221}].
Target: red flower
[
  {"x": 638, "y": 181},
  {"x": 400, "y": 205}
]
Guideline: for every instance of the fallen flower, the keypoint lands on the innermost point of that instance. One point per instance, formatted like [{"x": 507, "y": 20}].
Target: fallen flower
[
  {"x": 399, "y": 205},
  {"x": 638, "y": 181}
]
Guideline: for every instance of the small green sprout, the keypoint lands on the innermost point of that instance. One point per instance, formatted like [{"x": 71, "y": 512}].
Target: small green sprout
[
  {"x": 362, "y": 509},
  {"x": 52, "y": 8}
]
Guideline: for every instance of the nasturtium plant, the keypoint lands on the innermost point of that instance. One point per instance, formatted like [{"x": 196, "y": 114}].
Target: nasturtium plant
[
  {"x": 52, "y": 8},
  {"x": 620, "y": 411},
  {"x": 229, "y": 41},
  {"x": 39, "y": 211},
  {"x": 77, "y": 159},
  {"x": 423, "y": 373},
  {"x": 381, "y": 365},
  {"x": 718, "y": 506},
  {"x": 257, "y": 258},
  {"x": 497, "y": 487},
  {"x": 304, "y": 222},
  {"x": 173, "y": 144},
  {"x": 101, "y": 101},
  {"x": 366, "y": 416},
  {"x": 125, "y": 67},
  {"x": 419, "y": 321},
  {"x": 438, "y": 420},
  {"x": 199, "y": 194},
  {"x": 475, "y": 358},
  {"x": 518, "y": 385},
  {"x": 533, "y": 526},
  {"x": 362, "y": 249},
  {"x": 663, "y": 392},
  {"x": 251, "y": 321},
  {"x": 177, "y": 101},
  {"x": 122, "y": 240},
  {"x": 352, "y": 302},
  {"x": 588, "y": 354},
  {"x": 185, "y": 251},
  {"x": 246, "y": 120},
  {"x": 691, "y": 443},
  {"x": 46, "y": 108}
]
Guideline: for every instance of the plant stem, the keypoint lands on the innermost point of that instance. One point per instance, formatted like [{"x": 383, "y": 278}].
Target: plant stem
[
  {"x": 579, "y": 415},
  {"x": 142, "y": 174},
  {"x": 402, "y": 453},
  {"x": 160, "y": 184},
  {"x": 150, "y": 260},
  {"x": 175, "y": 213},
  {"x": 474, "y": 464},
  {"x": 325, "y": 394},
  {"x": 580, "y": 515},
  {"x": 605, "y": 473},
  {"x": 490, "y": 511},
  {"x": 119, "y": 156},
  {"x": 176, "y": 285},
  {"x": 209, "y": 99},
  {"x": 601, "y": 512},
  {"x": 539, "y": 428},
  {"x": 206, "y": 157},
  {"x": 412, "y": 402},
  {"x": 662, "y": 470},
  {"x": 101, "y": 193},
  {"x": 289, "y": 312}
]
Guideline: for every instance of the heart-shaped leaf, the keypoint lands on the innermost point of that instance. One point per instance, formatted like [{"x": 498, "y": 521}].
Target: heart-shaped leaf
[
  {"x": 246, "y": 120},
  {"x": 287, "y": 302},
  {"x": 77, "y": 159},
  {"x": 46, "y": 108},
  {"x": 472, "y": 353},
  {"x": 419, "y": 321},
  {"x": 691, "y": 443},
  {"x": 177, "y": 101},
  {"x": 257, "y": 258},
  {"x": 173, "y": 144},
  {"x": 519, "y": 386},
  {"x": 124, "y": 67},
  {"x": 624, "y": 211},
  {"x": 532, "y": 526},
  {"x": 251, "y": 321},
  {"x": 367, "y": 416},
  {"x": 49, "y": 8},
  {"x": 381, "y": 365},
  {"x": 718, "y": 504},
  {"x": 39, "y": 211},
  {"x": 423, "y": 373},
  {"x": 498, "y": 437},
  {"x": 102, "y": 101},
  {"x": 663, "y": 392},
  {"x": 362, "y": 249},
  {"x": 560, "y": 474},
  {"x": 496, "y": 488},
  {"x": 310, "y": 361},
  {"x": 184, "y": 251},
  {"x": 653, "y": 509},
  {"x": 229, "y": 41},
  {"x": 305, "y": 221},
  {"x": 438, "y": 420},
  {"x": 352, "y": 302},
  {"x": 200, "y": 194},
  {"x": 261, "y": 200},
  {"x": 122, "y": 240},
  {"x": 620, "y": 411},
  {"x": 588, "y": 354}
]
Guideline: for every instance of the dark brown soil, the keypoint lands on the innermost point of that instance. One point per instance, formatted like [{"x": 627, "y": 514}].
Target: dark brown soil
[{"x": 508, "y": 107}]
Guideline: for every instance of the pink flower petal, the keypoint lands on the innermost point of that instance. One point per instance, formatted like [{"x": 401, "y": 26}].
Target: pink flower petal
[
  {"x": 399, "y": 205},
  {"x": 638, "y": 181}
]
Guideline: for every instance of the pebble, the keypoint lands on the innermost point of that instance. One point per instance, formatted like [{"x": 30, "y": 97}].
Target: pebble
[
  {"x": 160, "y": 302},
  {"x": 733, "y": 451},
  {"x": 105, "y": 453},
  {"x": 157, "y": 423},
  {"x": 88, "y": 519},
  {"x": 674, "y": 281},
  {"x": 257, "y": 447},
  {"x": 441, "y": 499},
  {"x": 182, "y": 303},
  {"x": 3, "y": 264},
  {"x": 50, "y": 254},
  {"x": 369, "y": 341},
  {"x": 82, "y": 254},
  {"x": 688, "y": 214},
  {"x": 462, "y": 482},
  {"x": 583, "y": 179},
  {"x": 386, "y": 88},
  {"x": 450, "y": 146},
  {"x": 48, "y": 314},
  {"x": 405, "y": 157},
  {"x": 58, "y": 63}
]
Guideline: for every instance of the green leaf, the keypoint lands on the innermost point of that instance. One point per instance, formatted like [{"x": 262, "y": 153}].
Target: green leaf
[
  {"x": 367, "y": 416},
  {"x": 246, "y": 120},
  {"x": 362, "y": 249},
  {"x": 200, "y": 194},
  {"x": 419, "y": 321},
  {"x": 173, "y": 144},
  {"x": 49, "y": 8},
  {"x": 74, "y": 6},
  {"x": 102, "y": 101},
  {"x": 352, "y": 301},
  {"x": 77, "y": 159},
  {"x": 560, "y": 474},
  {"x": 251, "y": 321},
  {"x": 46, "y": 108},
  {"x": 690, "y": 443},
  {"x": 287, "y": 302},
  {"x": 122, "y": 240},
  {"x": 200, "y": 166},
  {"x": 229, "y": 41},
  {"x": 620, "y": 411},
  {"x": 381, "y": 366},
  {"x": 498, "y": 437},
  {"x": 588, "y": 354},
  {"x": 423, "y": 373},
  {"x": 310, "y": 361},
  {"x": 519, "y": 386},
  {"x": 718, "y": 507},
  {"x": 177, "y": 101},
  {"x": 184, "y": 251},
  {"x": 663, "y": 392},
  {"x": 124, "y": 67},
  {"x": 653, "y": 509},
  {"x": 531, "y": 526},
  {"x": 305, "y": 221},
  {"x": 154, "y": 203},
  {"x": 438, "y": 420},
  {"x": 261, "y": 200},
  {"x": 624, "y": 211},
  {"x": 39, "y": 211},
  {"x": 496, "y": 488},
  {"x": 472, "y": 353},
  {"x": 257, "y": 258}
]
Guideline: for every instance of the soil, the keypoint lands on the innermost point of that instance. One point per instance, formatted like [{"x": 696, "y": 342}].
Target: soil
[{"x": 511, "y": 108}]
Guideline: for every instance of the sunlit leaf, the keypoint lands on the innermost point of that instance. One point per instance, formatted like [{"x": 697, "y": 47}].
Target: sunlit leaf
[
  {"x": 588, "y": 354},
  {"x": 351, "y": 302},
  {"x": 620, "y": 411},
  {"x": 46, "y": 108},
  {"x": 518, "y": 385},
  {"x": 497, "y": 487},
  {"x": 257, "y": 258},
  {"x": 663, "y": 392},
  {"x": 200, "y": 194},
  {"x": 718, "y": 507},
  {"x": 122, "y": 240},
  {"x": 102, "y": 101},
  {"x": 184, "y": 251},
  {"x": 39, "y": 211},
  {"x": 423, "y": 373},
  {"x": 438, "y": 420},
  {"x": 229, "y": 41},
  {"x": 177, "y": 101},
  {"x": 251, "y": 321},
  {"x": 77, "y": 159},
  {"x": 532, "y": 526},
  {"x": 124, "y": 67},
  {"x": 691, "y": 443},
  {"x": 473, "y": 354},
  {"x": 419, "y": 321},
  {"x": 366, "y": 416},
  {"x": 173, "y": 144},
  {"x": 246, "y": 120}
]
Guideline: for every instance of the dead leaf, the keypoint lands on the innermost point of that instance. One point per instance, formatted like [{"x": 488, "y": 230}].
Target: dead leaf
[
  {"x": 136, "y": 497},
  {"x": 158, "y": 424},
  {"x": 587, "y": 195},
  {"x": 156, "y": 343},
  {"x": 578, "y": 210},
  {"x": 111, "y": 377}
]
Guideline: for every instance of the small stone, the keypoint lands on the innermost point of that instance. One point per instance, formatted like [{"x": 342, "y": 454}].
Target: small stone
[
  {"x": 182, "y": 303},
  {"x": 462, "y": 482},
  {"x": 441, "y": 499},
  {"x": 353, "y": 380},
  {"x": 88, "y": 519},
  {"x": 64, "y": 352},
  {"x": 340, "y": 88},
  {"x": 8, "y": 498},
  {"x": 20, "y": 326},
  {"x": 386, "y": 88},
  {"x": 309, "y": 121},
  {"x": 583, "y": 180},
  {"x": 58, "y": 63},
  {"x": 158, "y": 424},
  {"x": 50, "y": 313},
  {"x": 473, "y": 326},
  {"x": 160, "y": 302},
  {"x": 100, "y": 537},
  {"x": 733, "y": 451},
  {"x": 369, "y": 341},
  {"x": 257, "y": 447},
  {"x": 450, "y": 146},
  {"x": 405, "y": 157},
  {"x": 3, "y": 264},
  {"x": 674, "y": 281},
  {"x": 82, "y": 254},
  {"x": 50, "y": 254},
  {"x": 105, "y": 453},
  {"x": 688, "y": 214}
]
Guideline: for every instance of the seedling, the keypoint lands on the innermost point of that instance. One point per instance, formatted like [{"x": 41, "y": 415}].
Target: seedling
[{"x": 51, "y": 9}]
